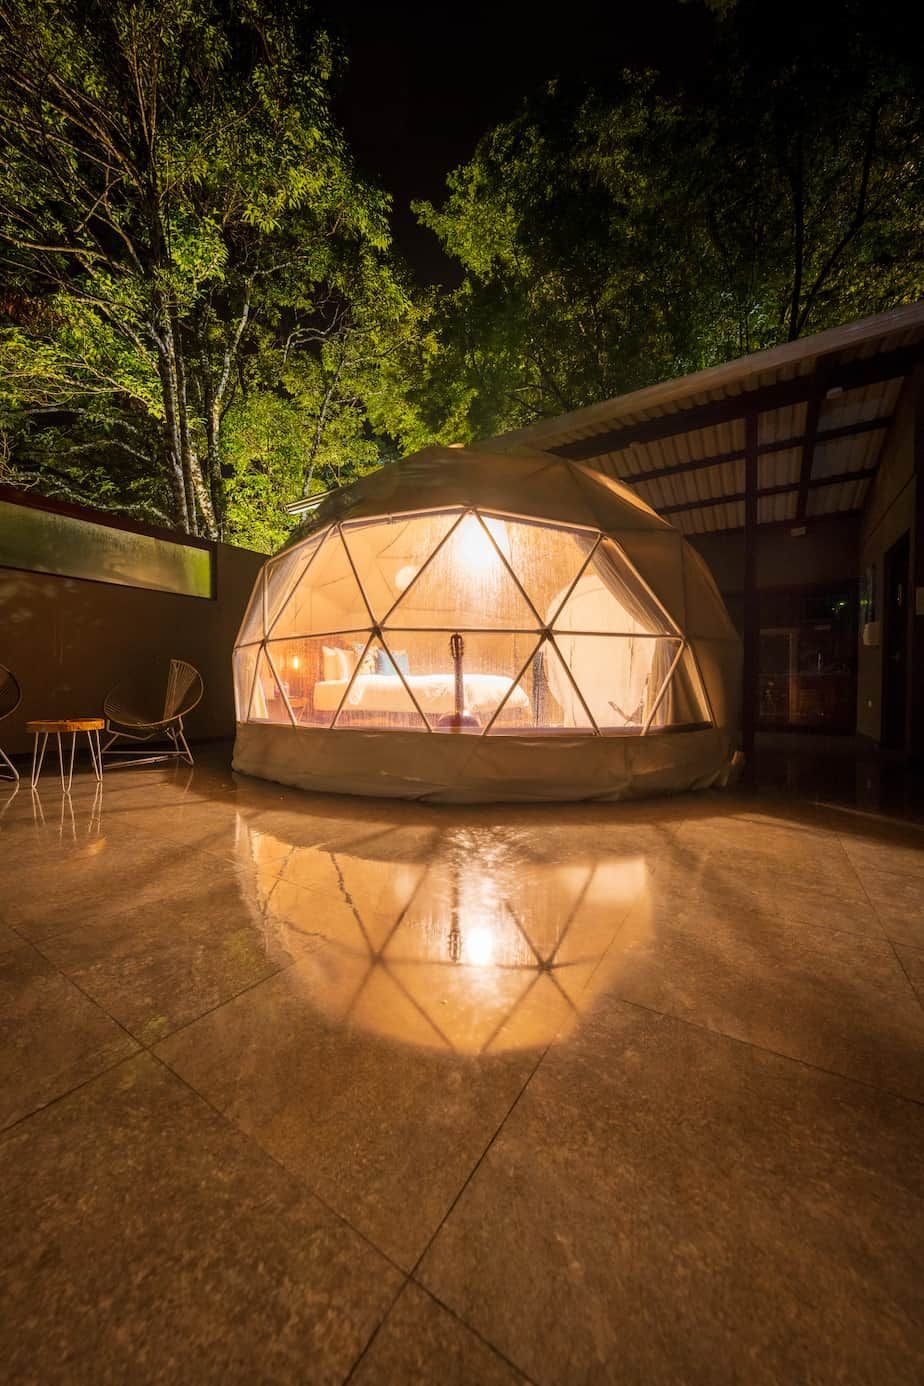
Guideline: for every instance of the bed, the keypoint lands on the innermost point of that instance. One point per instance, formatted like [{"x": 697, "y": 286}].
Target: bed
[{"x": 435, "y": 694}]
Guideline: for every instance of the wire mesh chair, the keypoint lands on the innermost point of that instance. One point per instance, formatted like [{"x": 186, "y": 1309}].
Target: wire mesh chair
[
  {"x": 137, "y": 711},
  {"x": 10, "y": 698}
]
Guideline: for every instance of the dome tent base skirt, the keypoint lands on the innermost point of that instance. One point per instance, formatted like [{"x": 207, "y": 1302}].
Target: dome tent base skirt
[{"x": 446, "y": 769}]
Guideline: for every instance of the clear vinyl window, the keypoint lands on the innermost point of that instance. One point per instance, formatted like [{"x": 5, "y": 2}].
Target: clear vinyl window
[{"x": 463, "y": 621}]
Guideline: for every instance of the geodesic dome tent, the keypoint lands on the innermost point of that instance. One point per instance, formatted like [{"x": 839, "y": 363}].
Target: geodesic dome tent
[{"x": 476, "y": 626}]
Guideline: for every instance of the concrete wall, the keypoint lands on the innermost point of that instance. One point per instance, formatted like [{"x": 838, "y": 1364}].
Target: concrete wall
[
  {"x": 68, "y": 641},
  {"x": 888, "y": 514}
]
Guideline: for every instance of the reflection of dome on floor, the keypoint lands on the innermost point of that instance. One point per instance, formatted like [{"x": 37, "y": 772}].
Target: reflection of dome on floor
[
  {"x": 521, "y": 627},
  {"x": 448, "y": 942}
]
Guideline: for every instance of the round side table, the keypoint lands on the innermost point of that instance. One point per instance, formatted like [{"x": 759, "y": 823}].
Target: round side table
[{"x": 59, "y": 727}]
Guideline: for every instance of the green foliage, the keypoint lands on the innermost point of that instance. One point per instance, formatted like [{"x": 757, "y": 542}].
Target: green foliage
[
  {"x": 201, "y": 319},
  {"x": 612, "y": 239},
  {"x": 183, "y": 227}
]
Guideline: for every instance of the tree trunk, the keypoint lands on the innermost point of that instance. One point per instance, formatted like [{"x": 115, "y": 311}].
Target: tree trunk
[
  {"x": 211, "y": 413},
  {"x": 201, "y": 501},
  {"x": 172, "y": 439},
  {"x": 182, "y": 421}
]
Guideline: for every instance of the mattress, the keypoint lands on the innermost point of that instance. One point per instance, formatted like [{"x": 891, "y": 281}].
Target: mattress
[{"x": 435, "y": 693}]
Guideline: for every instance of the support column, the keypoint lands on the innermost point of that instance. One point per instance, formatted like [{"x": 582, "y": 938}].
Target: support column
[
  {"x": 915, "y": 741},
  {"x": 750, "y": 678}
]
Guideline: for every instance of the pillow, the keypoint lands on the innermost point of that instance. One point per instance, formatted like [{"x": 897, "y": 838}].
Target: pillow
[
  {"x": 386, "y": 663},
  {"x": 336, "y": 666},
  {"x": 366, "y": 661}
]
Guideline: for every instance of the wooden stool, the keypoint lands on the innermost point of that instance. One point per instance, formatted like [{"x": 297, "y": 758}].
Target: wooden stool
[{"x": 61, "y": 726}]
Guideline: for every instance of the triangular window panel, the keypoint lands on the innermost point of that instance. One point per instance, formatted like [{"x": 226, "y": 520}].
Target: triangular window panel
[
  {"x": 546, "y": 559},
  {"x": 522, "y": 708},
  {"x": 460, "y": 684},
  {"x": 315, "y": 672},
  {"x": 377, "y": 694},
  {"x": 282, "y": 575},
  {"x": 610, "y": 598},
  {"x": 266, "y": 701},
  {"x": 251, "y": 629},
  {"x": 684, "y": 702},
  {"x": 326, "y": 597},
  {"x": 554, "y": 701},
  {"x": 389, "y": 553},
  {"x": 619, "y": 676},
  {"x": 467, "y": 585},
  {"x": 245, "y": 666}
]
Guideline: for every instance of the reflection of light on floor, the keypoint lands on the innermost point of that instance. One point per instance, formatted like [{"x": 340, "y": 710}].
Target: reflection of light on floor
[{"x": 448, "y": 941}]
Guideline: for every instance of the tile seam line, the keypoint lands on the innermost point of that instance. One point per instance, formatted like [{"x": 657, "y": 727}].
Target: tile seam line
[
  {"x": 78, "y": 1087},
  {"x": 249, "y": 1140},
  {"x": 886, "y": 819},
  {"x": 257, "y": 1145},
  {"x": 453, "y": 1313},
  {"x": 166, "y": 898},
  {"x": 502, "y": 1123},
  {"x": 792, "y": 921},
  {"x": 145, "y": 1045},
  {"x": 859, "y": 880},
  {"x": 84, "y": 993},
  {"x": 411, "y": 1276},
  {"x": 898, "y": 958},
  {"x": 478, "y": 1163},
  {"x": 762, "y": 1049},
  {"x": 882, "y": 937},
  {"x": 375, "y": 1332},
  {"x": 161, "y": 1039}
]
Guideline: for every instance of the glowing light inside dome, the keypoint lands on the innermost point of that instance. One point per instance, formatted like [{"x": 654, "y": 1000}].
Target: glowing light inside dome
[
  {"x": 478, "y": 553},
  {"x": 478, "y": 946}
]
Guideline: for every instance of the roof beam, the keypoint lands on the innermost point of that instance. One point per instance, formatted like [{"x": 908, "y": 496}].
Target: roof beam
[
  {"x": 862, "y": 474},
  {"x": 825, "y": 435},
  {"x": 693, "y": 534},
  {"x": 849, "y": 375}
]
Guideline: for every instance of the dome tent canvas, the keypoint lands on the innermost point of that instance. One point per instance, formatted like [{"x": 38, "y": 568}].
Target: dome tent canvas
[{"x": 466, "y": 626}]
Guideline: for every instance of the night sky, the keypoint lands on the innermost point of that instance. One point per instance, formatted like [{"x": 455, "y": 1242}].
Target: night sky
[{"x": 425, "y": 81}]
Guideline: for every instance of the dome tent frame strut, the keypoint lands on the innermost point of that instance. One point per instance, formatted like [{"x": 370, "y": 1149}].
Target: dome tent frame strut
[
  {"x": 544, "y": 630},
  {"x": 564, "y": 600}
]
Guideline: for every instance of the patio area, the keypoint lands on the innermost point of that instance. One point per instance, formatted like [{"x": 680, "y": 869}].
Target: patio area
[{"x": 309, "y": 1089}]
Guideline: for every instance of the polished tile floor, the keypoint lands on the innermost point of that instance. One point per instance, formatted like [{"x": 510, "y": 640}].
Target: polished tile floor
[{"x": 304, "y": 1089}]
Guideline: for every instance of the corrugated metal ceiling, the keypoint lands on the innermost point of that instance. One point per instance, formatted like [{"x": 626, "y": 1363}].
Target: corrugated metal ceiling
[{"x": 698, "y": 499}]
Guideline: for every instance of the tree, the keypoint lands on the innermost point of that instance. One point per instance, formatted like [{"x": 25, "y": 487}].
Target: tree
[
  {"x": 317, "y": 420},
  {"x": 612, "y": 238},
  {"x": 812, "y": 188},
  {"x": 180, "y": 218}
]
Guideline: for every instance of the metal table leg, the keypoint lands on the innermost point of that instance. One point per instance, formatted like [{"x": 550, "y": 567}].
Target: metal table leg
[
  {"x": 96, "y": 754},
  {"x": 38, "y": 759},
  {"x": 70, "y": 772}
]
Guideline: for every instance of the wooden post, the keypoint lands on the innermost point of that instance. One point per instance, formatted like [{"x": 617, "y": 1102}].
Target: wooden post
[
  {"x": 915, "y": 741},
  {"x": 812, "y": 413},
  {"x": 750, "y": 679}
]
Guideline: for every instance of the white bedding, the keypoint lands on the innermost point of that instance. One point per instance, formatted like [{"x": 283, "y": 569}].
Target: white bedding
[{"x": 435, "y": 693}]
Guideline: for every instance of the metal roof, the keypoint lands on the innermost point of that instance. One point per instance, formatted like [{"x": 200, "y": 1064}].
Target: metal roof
[{"x": 823, "y": 406}]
